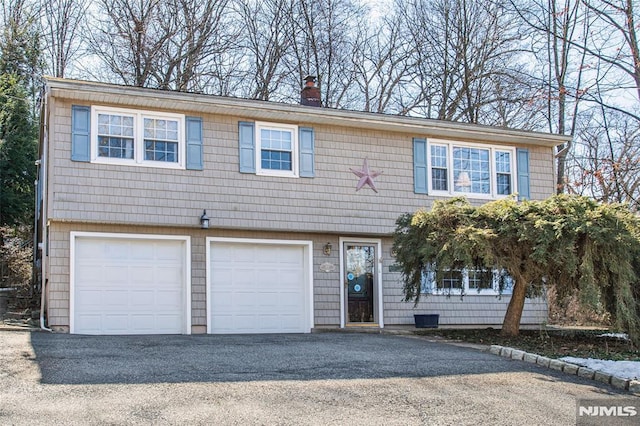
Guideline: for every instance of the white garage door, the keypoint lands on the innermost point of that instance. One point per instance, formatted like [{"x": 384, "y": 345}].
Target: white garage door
[
  {"x": 128, "y": 286},
  {"x": 258, "y": 288}
]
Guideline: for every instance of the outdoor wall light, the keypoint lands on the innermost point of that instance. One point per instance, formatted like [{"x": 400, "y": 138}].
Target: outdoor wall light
[
  {"x": 204, "y": 220},
  {"x": 327, "y": 249}
]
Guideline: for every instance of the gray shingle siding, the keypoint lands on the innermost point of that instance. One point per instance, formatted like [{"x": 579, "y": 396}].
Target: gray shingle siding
[
  {"x": 98, "y": 197},
  {"x": 106, "y": 193}
]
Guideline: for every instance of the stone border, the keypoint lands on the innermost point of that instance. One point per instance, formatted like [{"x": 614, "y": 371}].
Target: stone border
[{"x": 632, "y": 386}]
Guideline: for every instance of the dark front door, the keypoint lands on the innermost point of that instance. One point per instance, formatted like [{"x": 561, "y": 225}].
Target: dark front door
[{"x": 360, "y": 278}]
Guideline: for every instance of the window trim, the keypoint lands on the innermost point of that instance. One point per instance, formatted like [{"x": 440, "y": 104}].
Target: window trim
[
  {"x": 451, "y": 192},
  {"x": 295, "y": 165},
  {"x": 138, "y": 137}
]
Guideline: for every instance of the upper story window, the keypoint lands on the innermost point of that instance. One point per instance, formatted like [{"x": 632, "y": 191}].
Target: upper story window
[
  {"x": 464, "y": 169},
  {"x": 137, "y": 137},
  {"x": 277, "y": 149}
]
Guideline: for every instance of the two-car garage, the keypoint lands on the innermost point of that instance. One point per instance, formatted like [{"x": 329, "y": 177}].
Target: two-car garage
[{"x": 141, "y": 284}]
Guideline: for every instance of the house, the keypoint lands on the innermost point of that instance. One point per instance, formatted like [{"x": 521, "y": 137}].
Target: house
[{"x": 168, "y": 212}]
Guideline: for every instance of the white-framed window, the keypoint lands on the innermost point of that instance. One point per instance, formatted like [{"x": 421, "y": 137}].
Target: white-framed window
[
  {"x": 125, "y": 136},
  {"x": 276, "y": 149},
  {"x": 457, "y": 168},
  {"x": 466, "y": 282}
]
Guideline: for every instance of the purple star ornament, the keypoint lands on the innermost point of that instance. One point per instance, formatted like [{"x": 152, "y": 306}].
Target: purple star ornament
[{"x": 366, "y": 176}]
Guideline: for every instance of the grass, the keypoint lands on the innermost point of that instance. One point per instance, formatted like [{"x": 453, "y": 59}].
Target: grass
[{"x": 553, "y": 343}]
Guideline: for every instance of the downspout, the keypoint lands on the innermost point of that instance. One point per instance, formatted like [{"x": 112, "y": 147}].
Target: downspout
[{"x": 43, "y": 184}]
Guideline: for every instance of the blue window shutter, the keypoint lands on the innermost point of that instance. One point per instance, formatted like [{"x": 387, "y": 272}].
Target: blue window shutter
[
  {"x": 194, "y": 143},
  {"x": 306, "y": 140},
  {"x": 420, "y": 166},
  {"x": 523, "y": 173},
  {"x": 80, "y": 133},
  {"x": 247, "y": 147}
]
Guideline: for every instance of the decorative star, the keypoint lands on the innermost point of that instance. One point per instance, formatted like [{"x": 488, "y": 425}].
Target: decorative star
[{"x": 366, "y": 176}]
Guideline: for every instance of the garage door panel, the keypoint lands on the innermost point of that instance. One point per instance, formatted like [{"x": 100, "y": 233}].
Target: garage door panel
[
  {"x": 114, "y": 250},
  {"x": 89, "y": 298},
  {"x": 113, "y": 274},
  {"x": 116, "y": 322},
  {"x": 223, "y": 301},
  {"x": 129, "y": 286},
  {"x": 270, "y": 322},
  {"x": 167, "y": 274},
  {"x": 224, "y": 274},
  {"x": 270, "y": 299},
  {"x": 290, "y": 279},
  {"x": 168, "y": 252},
  {"x": 144, "y": 321},
  {"x": 91, "y": 322},
  {"x": 258, "y": 288},
  {"x": 289, "y": 300},
  {"x": 140, "y": 251},
  {"x": 139, "y": 299},
  {"x": 243, "y": 277},
  {"x": 168, "y": 299},
  {"x": 115, "y": 299},
  {"x": 139, "y": 275}
]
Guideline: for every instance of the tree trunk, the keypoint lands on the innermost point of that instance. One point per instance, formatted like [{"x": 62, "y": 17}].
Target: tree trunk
[{"x": 511, "y": 323}]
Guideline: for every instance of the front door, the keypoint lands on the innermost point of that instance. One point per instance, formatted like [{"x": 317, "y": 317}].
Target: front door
[{"x": 360, "y": 282}]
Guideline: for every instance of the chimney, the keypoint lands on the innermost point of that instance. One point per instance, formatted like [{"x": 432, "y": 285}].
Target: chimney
[{"x": 310, "y": 94}]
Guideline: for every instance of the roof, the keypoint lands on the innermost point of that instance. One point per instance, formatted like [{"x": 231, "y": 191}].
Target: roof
[{"x": 85, "y": 91}]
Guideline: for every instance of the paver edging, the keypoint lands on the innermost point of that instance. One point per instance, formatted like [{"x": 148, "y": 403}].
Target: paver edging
[{"x": 632, "y": 386}]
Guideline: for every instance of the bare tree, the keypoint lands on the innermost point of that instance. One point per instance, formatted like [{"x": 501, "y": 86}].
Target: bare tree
[
  {"x": 322, "y": 44},
  {"x": 60, "y": 29},
  {"x": 199, "y": 34},
  {"x": 554, "y": 27},
  {"x": 467, "y": 57},
  {"x": 169, "y": 45},
  {"x": 382, "y": 63},
  {"x": 130, "y": 38},
  {"x": 617, "y": 42},
  {"x": 604, "y": 164},
  {"x": 267, "y": 38}
]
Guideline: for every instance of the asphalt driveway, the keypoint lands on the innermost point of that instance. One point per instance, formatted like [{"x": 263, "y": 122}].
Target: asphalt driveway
[{"x": 325, "y": 378}]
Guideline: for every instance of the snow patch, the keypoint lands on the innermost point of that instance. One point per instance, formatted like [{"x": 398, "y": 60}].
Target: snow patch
[
  {"x": 622, "y": 369},
  {"x": 621, "y": 336}
]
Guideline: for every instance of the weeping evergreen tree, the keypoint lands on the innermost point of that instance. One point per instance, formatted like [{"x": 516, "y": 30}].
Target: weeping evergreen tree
[{"x": 570, "y": 242}]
